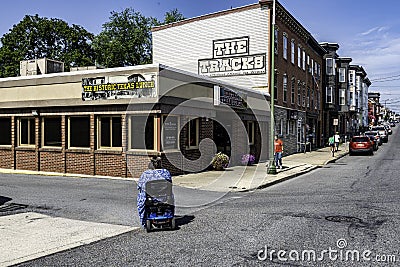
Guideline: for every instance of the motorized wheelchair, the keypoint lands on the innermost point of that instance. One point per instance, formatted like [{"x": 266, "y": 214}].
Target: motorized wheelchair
[{"x": 159, "y": 205}]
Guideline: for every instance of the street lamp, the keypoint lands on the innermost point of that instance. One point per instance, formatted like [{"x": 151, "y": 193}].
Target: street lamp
[{"x": 271, "y": 165}]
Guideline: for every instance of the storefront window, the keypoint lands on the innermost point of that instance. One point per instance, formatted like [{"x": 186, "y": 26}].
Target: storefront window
[
  {"x": 5, "y": 130},
  {"x": 79, "y": 132},
  {"x": 250, "y": 132},
  {"x": 52, "y": 131},
  {"x": 143, "y": 132},
  {"x": 110, "y": 132},
  {"x": 192, "y": 134},
  {"x": 26, "y": 134}
]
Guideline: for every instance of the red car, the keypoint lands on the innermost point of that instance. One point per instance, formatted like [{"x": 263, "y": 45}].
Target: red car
[{"x": 361, "y": 144}]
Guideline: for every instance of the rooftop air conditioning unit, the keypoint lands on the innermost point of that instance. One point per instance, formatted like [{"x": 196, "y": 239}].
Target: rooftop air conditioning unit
[{"x": 40, "y": 66}]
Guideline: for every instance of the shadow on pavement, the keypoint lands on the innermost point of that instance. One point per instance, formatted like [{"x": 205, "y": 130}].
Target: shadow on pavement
[
  {"x": 4, "y": 200},
  {"x": 182, "y": 220}
]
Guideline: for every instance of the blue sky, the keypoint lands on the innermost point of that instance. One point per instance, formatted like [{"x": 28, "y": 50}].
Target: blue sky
[{"x": 367, "y": 31}]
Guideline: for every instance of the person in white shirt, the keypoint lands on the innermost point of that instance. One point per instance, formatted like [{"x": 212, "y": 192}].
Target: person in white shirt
[{"x": 337, "y": 140}]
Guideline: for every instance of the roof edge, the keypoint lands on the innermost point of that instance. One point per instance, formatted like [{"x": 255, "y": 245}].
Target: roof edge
[{"x": 206, "y": 16}]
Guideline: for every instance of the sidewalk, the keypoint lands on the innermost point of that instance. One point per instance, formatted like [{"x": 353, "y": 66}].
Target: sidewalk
[{"x": 247, "y": 178}]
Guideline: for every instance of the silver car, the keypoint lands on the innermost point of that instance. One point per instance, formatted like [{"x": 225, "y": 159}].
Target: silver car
[{"x": 382, "y": 132}]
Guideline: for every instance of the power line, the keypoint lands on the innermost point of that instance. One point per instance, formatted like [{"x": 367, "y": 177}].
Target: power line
[
  {"x": 392, "y": 86},
  {"x": 384, "y": 78}
]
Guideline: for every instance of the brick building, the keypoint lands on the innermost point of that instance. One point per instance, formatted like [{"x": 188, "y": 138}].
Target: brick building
[
  {"x": 298, "y": 83},
  {"x": 110, "y": 121}
]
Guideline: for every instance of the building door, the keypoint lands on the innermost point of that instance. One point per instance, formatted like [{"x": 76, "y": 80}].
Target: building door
[
  {"x": 221, "y": 139},
  {"x": 300, "y": 135}
]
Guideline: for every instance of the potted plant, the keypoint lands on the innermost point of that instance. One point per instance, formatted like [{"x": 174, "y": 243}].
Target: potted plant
[
  {"x": 248, "y": 159},
  {"x": 220, "y": 161}
]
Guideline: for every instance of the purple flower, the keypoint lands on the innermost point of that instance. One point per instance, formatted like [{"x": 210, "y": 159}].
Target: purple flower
[{"x": 248, "y": 159}]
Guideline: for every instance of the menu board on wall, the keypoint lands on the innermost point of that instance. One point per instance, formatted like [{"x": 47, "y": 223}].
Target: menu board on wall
[{"x": 170, "y": 132}]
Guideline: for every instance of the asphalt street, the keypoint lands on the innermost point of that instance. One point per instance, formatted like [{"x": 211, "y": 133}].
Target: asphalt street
[{"x": 327, "y": 217}]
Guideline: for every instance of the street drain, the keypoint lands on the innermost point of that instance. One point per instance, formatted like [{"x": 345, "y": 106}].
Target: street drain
[{"x": 12, "y": 207}]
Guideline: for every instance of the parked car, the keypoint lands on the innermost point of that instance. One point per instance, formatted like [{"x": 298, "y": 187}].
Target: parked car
[
  {"x": 382, "y": 132},
  {"x": 361, "y": 144},
  {"x": 373, "y": 139},
  {"x": 376, "y": 135},
  {"x": 388, "y": 128}
]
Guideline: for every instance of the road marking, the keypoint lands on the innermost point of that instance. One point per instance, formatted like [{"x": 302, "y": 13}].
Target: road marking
[{"x": 28, "y": 236}]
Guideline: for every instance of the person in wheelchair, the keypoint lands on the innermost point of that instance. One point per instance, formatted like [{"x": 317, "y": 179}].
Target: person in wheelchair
[{"x": 155, "y": 200}]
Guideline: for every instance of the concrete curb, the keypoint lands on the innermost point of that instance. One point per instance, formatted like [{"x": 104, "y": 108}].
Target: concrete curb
[
  {"x": 271, "y": 183},
  {"x": 336, "y": 158},
  {"x": 294, "y": 175}
]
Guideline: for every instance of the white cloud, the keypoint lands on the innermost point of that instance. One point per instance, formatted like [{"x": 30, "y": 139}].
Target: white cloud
[
  {"x": 378, "y": 51},
  {"x": 369, "y": 31},
  {"x": 375, "y": 29}
]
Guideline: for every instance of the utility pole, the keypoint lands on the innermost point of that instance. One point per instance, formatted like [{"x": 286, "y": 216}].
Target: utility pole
[{"x": 271, "y": 165}]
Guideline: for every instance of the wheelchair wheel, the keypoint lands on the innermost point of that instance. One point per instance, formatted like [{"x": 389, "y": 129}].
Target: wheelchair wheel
[
  {"x": 173, "y": 224},
  {"x": 148, "y": 226}
]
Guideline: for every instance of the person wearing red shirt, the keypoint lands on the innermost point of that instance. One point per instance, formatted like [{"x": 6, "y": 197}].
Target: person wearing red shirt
[{"x": 278, "y": 152}]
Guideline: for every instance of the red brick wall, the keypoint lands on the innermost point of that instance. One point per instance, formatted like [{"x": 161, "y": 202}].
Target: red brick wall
[
  {"x": 172, "y": 161},
  {"x": 26, "y": 160},
  {"x": 6, "y": 158},
  {"x": 77, "y": 162},
  {"x": 110, "y": 165},
  {"x": 51, "y": 161},
  {"x": 136, "y": 165}
]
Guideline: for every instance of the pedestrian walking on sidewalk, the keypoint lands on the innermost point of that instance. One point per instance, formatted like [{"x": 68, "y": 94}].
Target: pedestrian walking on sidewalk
[
  {"x": 331, "y": 142},
  {"x": 278, "y": 152},
  {"x": 337, "y": 140}
]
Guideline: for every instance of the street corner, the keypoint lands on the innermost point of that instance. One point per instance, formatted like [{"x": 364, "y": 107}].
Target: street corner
[{"x": 31, "y": 235}]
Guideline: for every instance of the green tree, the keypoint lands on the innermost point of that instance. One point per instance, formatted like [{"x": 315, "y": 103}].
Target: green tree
[
  {"x": 125, "y": 40},
  {"x": 37, "y": 37},
  {"x": 173, "y": 16}
]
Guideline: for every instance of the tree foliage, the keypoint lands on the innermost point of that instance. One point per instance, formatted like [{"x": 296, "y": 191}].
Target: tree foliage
[
  {"x": 37, "y": 37},
  {"x": 125, "y": 40},
  {"x": 173, "y": 16}
]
